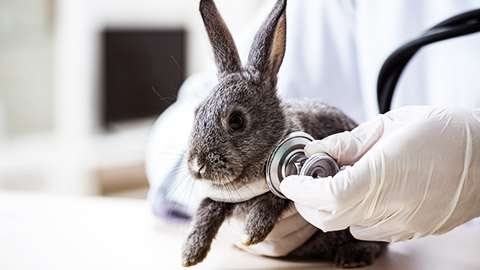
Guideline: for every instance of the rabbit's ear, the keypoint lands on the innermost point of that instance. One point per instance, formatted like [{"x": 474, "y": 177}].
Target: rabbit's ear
[
  {"x": 224, "y": 49},
  {"x": 268, "y": 46}
]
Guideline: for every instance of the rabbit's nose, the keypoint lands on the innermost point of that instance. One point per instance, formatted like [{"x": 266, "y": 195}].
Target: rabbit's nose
[{"x": 198, "y": 167}]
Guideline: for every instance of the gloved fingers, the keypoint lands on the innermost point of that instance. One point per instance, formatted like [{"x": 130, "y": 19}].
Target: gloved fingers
[
  {"x": 277, "y": 247},
  {"x": 326, "y": 221},
  {"x": 288, "y": 234},
  {"x": 384, "y": 233},
  {"x": 290, "y": 242},
  {"x": 332, "y": 194},
  {"x": 348, "y": 147},
  {"x": 287, "y": 225},
  {"x": 369, "y": 231}
]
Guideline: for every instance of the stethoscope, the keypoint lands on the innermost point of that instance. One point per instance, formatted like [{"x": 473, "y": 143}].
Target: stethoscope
[{"x": 288, "y": 158}]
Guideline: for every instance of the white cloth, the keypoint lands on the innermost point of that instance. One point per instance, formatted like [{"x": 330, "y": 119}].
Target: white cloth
[
  {"x": 165, "y": 161},
  {"x": 416, "y": 172}
]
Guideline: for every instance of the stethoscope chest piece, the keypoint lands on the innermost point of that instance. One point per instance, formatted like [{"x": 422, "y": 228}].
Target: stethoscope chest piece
[
  {"x": 288, "y": 158},
  {"x": 320, "y": 165}
]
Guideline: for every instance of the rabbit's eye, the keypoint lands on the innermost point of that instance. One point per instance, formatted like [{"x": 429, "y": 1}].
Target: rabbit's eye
[{"x": 236, "y": 122}]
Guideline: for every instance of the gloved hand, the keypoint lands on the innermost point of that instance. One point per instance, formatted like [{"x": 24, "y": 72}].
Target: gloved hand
[
  {"x": 290, "y": 232},
  {"x": 415, "y": 172}
]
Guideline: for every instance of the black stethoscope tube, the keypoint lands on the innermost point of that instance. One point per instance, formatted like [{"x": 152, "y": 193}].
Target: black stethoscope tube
[{"x": 459, "y": 25}]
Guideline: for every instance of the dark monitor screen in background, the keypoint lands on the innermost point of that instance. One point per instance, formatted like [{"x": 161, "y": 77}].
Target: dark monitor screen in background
[{"x": 142, "y": 71}]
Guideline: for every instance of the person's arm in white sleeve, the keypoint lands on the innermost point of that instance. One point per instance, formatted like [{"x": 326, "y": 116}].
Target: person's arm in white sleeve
[
  {"x": 415, "y": 172},
  {"x": 171, "y": 191}
]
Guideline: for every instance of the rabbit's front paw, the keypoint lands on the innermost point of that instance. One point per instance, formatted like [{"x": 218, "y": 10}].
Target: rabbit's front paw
[
  {"x": 255, "y": 233},
  {"x": 193, "y": 252}
]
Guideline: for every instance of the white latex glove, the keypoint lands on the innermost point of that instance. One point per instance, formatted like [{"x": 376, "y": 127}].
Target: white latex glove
[
  {"x": 416, "y": 172},
  {"x": 290, "y": 232}
]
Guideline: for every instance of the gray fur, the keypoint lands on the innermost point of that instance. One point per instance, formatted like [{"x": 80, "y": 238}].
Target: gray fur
[{"x": 231, "y": 159}]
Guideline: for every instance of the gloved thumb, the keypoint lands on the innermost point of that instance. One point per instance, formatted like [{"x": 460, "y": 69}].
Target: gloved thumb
[
  {"x": 348, "y": 147},
  {"x": 327, "y": 221}
]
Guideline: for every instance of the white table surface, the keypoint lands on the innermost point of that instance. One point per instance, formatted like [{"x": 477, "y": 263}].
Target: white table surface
[{"x": 44, "y": 231}]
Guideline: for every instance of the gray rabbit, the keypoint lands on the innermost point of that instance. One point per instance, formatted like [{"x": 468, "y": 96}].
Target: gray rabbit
[{"x": 236, "y": 128}]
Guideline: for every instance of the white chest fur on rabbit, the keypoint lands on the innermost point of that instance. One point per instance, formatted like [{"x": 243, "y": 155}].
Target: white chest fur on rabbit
[{"x": 235, "y": 129}]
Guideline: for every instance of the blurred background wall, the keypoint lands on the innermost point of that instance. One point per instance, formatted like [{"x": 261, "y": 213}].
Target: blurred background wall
[{"x": 77, "y": 80}]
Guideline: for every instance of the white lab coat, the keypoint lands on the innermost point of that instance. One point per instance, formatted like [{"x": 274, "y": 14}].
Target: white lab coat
[{"x": 334, "y": 51}]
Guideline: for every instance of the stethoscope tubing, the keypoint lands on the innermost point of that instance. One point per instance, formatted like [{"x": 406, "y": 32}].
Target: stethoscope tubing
[{"x": 456, "y": 26}]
